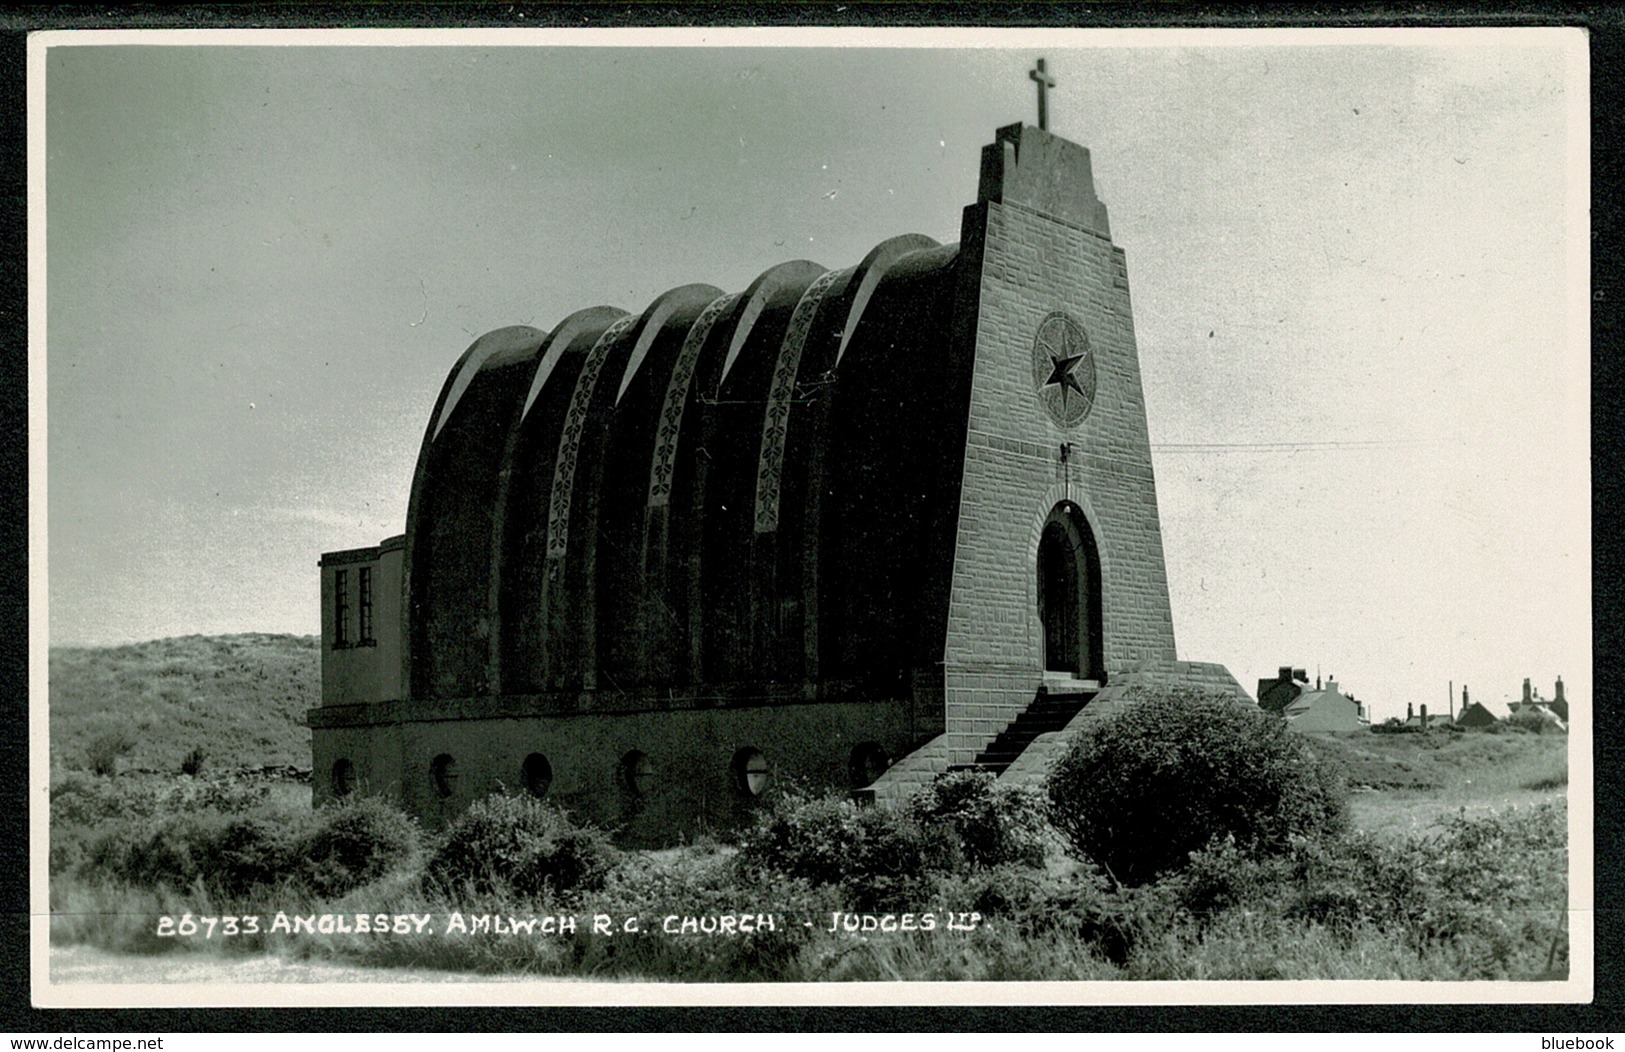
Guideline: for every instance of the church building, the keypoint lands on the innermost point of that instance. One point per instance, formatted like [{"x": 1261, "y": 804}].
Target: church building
[{"x": 844, "y": 527}]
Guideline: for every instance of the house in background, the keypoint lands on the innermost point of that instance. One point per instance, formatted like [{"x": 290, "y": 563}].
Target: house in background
[
  {"x": 1555, "y": 709},
  {"x": 1424, "y": 721},
  {"x": 1326, "y": 709},
  {"x": 1306, "y": 708},
  {"x": 1276, "y": 694},
  {"x": 1480, "y": 714}
]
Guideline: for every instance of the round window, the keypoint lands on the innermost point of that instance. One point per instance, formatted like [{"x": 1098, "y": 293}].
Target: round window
[
  {"x": 537, "y": 774},
  {"x": 750, "y": 771},
  {"x": 869, "y": 762},
  {"x": 637, "y": 773},
  {"x": 443, "y": 772}
]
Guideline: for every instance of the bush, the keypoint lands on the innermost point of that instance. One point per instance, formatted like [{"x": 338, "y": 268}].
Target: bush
[
  {"x": 192, "y": 763},
  {"x": 698, "y": 882},
  {"x": 326, "y": 853},
  {"x": 103, "y": 752},
  {"x": 224, "y": 854},
  {"x": 1079, "y": 908},
  {"x": 1527, "y": 721},
  {"x": 1222, "y": 876},
  {"x": 246, "y": 852},
  {"x": 1141, "y": 791},
  {"x": 1357, "y": 879},
  {"x": 995, "y": 823},
  {"x": 518, "y": 846},
  {"x": 880, "y": 855},
  {"x": 356, "y": 841},
  {"x": 86, "y": 809}
]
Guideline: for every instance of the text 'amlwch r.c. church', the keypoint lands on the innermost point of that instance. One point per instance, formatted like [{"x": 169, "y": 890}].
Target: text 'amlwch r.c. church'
[{"x": 845, "y": 527}]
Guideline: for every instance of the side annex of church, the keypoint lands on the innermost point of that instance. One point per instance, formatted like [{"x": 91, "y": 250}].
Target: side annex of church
[{"x": 845, "y": 528}]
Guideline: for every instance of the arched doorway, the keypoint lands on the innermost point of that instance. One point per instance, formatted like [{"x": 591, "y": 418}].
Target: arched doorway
[{"x": 1069, "y": 594}]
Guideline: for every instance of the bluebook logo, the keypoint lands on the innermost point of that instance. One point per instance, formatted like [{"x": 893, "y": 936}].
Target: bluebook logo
[{"x": 1576, "y": 1042}]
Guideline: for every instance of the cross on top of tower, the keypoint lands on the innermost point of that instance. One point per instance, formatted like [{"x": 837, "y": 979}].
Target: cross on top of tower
[{"x": 1044, "y": 82}]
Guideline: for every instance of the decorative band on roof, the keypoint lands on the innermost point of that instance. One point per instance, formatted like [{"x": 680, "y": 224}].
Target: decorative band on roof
[
  {"x": 671, "y": 411},
  {"x": 560, "y": 341},
  {"x": 658, "y": 313},
  {"x": 776, "y": 416},
  {"x": 564, "y": 471}
]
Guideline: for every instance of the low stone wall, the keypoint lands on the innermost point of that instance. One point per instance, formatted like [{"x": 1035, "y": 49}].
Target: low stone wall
[{"x": 913, "y": 772}]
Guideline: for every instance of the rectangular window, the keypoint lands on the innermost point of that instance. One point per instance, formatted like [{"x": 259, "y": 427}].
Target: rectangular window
[
  {"x": 341, "y": 608},
  {"x": 364, "y": 587}
]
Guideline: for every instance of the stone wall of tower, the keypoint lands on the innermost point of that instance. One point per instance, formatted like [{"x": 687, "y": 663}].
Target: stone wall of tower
[{"x": 1045, "y": 247}]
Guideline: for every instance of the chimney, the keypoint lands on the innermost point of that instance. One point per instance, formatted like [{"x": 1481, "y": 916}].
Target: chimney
[
  {"x": 1410, "y": 712},
  {"x": 1559, "y": 689},
  {"x": 1451, "y": 695},
  {"x": 1464, "y": 701},
  {"x": 1527, "y": 696},
  {"x": 1424, "y": 717}
]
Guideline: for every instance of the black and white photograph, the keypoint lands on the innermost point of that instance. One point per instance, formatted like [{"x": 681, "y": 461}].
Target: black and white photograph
[{"x": 765, "y": 516}]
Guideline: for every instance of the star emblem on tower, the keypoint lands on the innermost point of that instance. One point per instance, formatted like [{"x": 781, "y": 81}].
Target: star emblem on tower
[
  {"x": 1061, "y": 374},
  {"x": 1064, "y": 368}
]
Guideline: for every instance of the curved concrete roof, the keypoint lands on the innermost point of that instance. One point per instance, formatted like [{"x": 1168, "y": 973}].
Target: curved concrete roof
[{"x": 680, "y": 448}]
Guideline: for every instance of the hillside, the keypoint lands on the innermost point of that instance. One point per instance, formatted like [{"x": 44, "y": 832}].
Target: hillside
[
  {"x": 1448, "y": 762},
  {"x": 1405, "y": 783},
  {"x": 241, "y": 699}
]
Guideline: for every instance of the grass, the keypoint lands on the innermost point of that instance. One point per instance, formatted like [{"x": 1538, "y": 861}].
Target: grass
[
  {"x": 241, "y": 698},
  {"x": 1411, "y": 783},
  {"x": 1476, "y": 898},
  {"x": 1454, "y": 822}
]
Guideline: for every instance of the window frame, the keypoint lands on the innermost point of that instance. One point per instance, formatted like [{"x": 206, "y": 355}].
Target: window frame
[
  {"x": 341, "y": 609},
  {"x": 364, "y": 633}
]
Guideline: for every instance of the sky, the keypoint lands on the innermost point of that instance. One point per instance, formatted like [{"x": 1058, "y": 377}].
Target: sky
[{"x": 1358, "y": 268}]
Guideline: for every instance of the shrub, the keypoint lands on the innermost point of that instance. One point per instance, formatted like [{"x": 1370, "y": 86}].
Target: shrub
[
  {"x": 1141, "y": 791},
  {"x": 518, "y": 846},
  {"x": 85, "y": 809},
  {"x": 1222, "y": 876},
  {"x": 355, "y": 841},
  {"x": 226, "y": 854},
  {"x": 878, "y": 854},
  {"x": 995, "y": 823},
  {"x": 192, "y": 763},
  {"x": 246, "y": 852},
  {"x": 1079, "y": 908},
  {"x": 697, "y": 882},
  {"x": 103, "y": 752},
  {"x": 233, "y": 853},
  {"x": 1359, "y": 879},
  {"x": 1528, "y": 721}
]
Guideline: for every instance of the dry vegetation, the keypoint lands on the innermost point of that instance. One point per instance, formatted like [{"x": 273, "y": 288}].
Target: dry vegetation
[
  {"x": 1410, "y": 783},
  {"x": 239, "y": 699},
  {"x": 1447, "y": 860}
]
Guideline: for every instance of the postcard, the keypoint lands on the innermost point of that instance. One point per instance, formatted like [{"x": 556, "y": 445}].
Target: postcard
[{"x": 824, "y": 516}]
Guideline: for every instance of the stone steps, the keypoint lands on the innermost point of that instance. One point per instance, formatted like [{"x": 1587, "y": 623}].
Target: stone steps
[{"x": 1048, "y": 713}]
